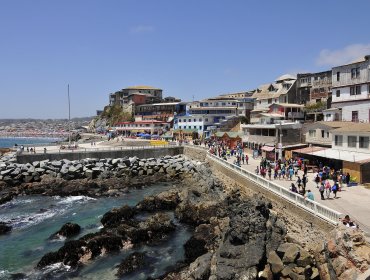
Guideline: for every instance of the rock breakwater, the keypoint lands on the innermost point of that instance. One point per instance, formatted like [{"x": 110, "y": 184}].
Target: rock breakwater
[{"x": 92, "y": 177}]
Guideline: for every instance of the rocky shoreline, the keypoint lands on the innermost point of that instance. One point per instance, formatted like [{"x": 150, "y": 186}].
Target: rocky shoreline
[{"x": 235, "y": 235}]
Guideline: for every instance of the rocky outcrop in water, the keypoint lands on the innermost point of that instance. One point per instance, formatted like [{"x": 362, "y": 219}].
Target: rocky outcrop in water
[
  {"x": 4, "y": 228},
  {"x": 67, "y": 230}
]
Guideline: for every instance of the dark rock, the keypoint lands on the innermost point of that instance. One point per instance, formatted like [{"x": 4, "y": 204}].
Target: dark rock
[
  {"x": 4, "y": 228},
  {"x": 69, "y": 254},
  {"x": 132, "y": 263},
  {"x": 96, "y": 244},
  {"x": 194, "y": 248},
  {"x": 68, "y": 230},
  {"x": 114, "y": 217},
  {"x": 6, "y": 197},
  {"x": 164, "y": 201}
]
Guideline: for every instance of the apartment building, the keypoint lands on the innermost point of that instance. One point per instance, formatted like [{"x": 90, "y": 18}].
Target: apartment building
[
  {"x": 351, "y": 90},
  {"x": 136, "y": 94},
  {"x": 314, "y": 87}
]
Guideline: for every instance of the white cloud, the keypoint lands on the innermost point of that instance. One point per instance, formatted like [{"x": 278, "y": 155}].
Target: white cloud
[
  {"x": 142, "y": 29},
  {"x": 343, "y": 56}
]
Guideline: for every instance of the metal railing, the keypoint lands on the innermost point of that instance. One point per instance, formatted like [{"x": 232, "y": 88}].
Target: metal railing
[
  {"x": 105, "y": 149},
  {"x": 310, "y": 206}
]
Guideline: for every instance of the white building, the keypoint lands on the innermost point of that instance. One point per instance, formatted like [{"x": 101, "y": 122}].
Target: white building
[{"x": 351, "y": 90}]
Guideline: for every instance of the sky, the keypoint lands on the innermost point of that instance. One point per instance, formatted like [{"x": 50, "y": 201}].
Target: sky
[{"x": 190, "y": 49}]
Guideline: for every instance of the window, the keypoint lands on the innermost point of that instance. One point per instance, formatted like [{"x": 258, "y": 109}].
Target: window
[
  {"x": 269, "y": 101},
  {"x": 206, "y": 120},
  {"x": 338, "y": 140},
  {"x": 327, "y": 134},
  {"x": 200, "y": 127},
  {"x": 312, "y": 133},
  {"x": 364, "y": 142},
  {"x": 355, "y": 72},
  {"x": 200, "y": 119},
  {"x": 322, "y": 90},
  {"x": 322, "y": 133},
  {"x": 338, "y": 93},
  {"x": 194, "y": 120},
  {"x": 352, "y": 141},
  {"x": 184, "y": 120},
  {"x": 355, "y": 116},
  {"x": 358, "y": 90},
  {"x": 355, "y": 90},
  {"x": 189, "y": 120},
  {"x": 338, "y": 76},
  {"x": 179, "y": 120},
  {"x": 368, "y": 88}
]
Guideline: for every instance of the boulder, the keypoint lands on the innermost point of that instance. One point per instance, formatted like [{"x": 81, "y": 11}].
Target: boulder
[
  {"x": 4, "y": 228},
  {"x": 275, "y": 262},
  {"x": 291, "y": 254},
  {"x": 68, "y": 230}
]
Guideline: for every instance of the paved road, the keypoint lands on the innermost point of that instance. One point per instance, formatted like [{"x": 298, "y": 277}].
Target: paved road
[{"x": 354, "y": 201}]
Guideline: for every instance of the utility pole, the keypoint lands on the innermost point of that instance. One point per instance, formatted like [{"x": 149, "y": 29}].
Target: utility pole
[
  {"x": 69, "y": 119},
  {"x": 281, "y": 144}
]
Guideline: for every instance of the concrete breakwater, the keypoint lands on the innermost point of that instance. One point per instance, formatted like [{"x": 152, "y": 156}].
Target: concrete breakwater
[{"x": 116, "y": 152}]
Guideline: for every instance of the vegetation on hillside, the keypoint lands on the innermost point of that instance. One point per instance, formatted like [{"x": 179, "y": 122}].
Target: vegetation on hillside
[
  {"x": 315, "y": 107},
  {"x": 114, "y": 114}
]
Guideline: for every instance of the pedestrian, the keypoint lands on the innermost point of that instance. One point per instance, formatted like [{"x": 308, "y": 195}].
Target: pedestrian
[
  {"x": 321, "y": 190},
  {"x": 327, "y": 188},
  {"x": 309, "y": 195},
  {"x": 293, "y": 188},
  {"x": 317, "y": 180},
  {"x": 348, "y": 179},
  {"x": 291, "y": 172},
  {"x": 299, "y": 182},
  {"x": 269, "y": 171},
  {"x": 304, "y": 182},
  {"x": 335, "y": 189},
  {"x": 246, "y": 159},
  {"x": 44, "y": 150},
  {"x": 257, "y": 170},
  {"x": 243, "y": 158}
]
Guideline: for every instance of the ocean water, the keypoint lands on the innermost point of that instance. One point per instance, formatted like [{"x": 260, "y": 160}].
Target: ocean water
[
  {"x": 11, "y": 141},
  {"x": 36, "y": 218}
]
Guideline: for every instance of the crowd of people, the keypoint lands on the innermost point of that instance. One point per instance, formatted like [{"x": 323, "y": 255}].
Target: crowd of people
[{"x": 328, "y": 181}]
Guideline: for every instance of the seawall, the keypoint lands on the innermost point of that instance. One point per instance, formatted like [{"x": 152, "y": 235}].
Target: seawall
[{"x": 142, "y": 152}]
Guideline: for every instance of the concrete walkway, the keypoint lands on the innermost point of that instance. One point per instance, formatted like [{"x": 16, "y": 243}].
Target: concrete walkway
[{"x": 354, "y": 201}]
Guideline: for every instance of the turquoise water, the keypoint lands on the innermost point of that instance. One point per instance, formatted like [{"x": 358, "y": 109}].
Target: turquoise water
[
  {"x": 35, "y": 218},
  {"x": 9, "y": 142}
]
